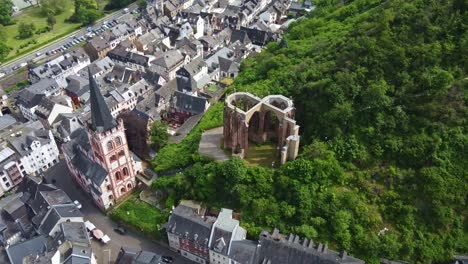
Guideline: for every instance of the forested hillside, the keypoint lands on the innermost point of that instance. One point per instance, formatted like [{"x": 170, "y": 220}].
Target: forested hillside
[{"x": 380, "y": 92}]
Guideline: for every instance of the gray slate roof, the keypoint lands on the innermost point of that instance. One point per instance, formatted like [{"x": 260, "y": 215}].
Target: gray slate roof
[
  {"x": 185, "y": 223},
  {"x": 88, "y": 168},
  {"x": 56, "y": 213},
  {"x": 243, "y": 251},
  {"x": 17, "y": 252},
  {"x": 101, "y": 118},
  {"x": 189, "y": 103},
  {"x": 276, "y": 249}
]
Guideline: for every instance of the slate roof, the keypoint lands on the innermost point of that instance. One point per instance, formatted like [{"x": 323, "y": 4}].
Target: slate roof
[
  {"x": 227, "y": 65},
  {"x": 101, "y": 118},
  {"x": 75, "y": 232},
  {"x": 36, "y": 132},
  {"x": 243, "y": 251},
  {"x": 133, "y": 256},
  {"x": 276, "y": 249},
  {"x": 56, "y": 213},
  {"x": 239, "y": 35},
  {"x": 17, "y": 252},
  {"x": 99, "y": 44},
  {"x": 185, "y": 84},
  {"x": 189, "y": 103},
  {"x": 194, "y": 67},
  {"x": 6, "y": 121},
  {"x": 169, "y": 59},
  {"x": 186, "y": 223},
  {"x": 88, "y": 168},
  {"x": 119, "y": 53},
  {"x": 29, "y": 99}
]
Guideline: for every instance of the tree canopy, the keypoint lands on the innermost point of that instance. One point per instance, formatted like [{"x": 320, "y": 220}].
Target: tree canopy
[
  {"x": 380, "y": 92},
  {"x": 6, "y": 10}
]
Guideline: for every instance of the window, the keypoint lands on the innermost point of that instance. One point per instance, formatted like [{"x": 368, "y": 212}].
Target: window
[
  {"x": 125, "y": 171},
  {"x": 7, "y": 184},
  {"x": 4, "y": 179},
  {"x": 118, "y": 176},
  {"x": 110, "y": 146},
  {"x": 121, "y": 153},
  {"x": 111, "y": 197},
  {"x": 109, "y": 187},
  {"x": 118, "y": 141},
  {"x": 113, "y": 158}
]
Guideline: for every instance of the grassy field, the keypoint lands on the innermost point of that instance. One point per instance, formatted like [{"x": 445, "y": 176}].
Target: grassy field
[
  {"x": 262, "y": 155},
  {"x": 33, "y": 15},
  {"x": 140, "y": 216}
]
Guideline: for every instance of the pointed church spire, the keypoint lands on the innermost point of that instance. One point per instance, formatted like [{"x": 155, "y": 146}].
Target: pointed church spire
[{"x": 101, "y": 118}]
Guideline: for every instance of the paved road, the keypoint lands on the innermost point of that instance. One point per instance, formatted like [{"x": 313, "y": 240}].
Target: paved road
[
  {"x": 104, "y": 253},
  {"x": 210, "y": 144},
  {"x": 7, "y": 68}
]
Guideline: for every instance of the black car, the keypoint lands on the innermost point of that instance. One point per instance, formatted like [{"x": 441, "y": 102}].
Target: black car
[
  {"x": 166, "y": 259},
  {"x": 120, "y": 230}
]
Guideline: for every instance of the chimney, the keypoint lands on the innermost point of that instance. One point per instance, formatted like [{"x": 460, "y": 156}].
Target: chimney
[
  {"x": 311, "y": 244},
  {"x": 290, "y": 238},
  {"x": 343, "y": 254}
]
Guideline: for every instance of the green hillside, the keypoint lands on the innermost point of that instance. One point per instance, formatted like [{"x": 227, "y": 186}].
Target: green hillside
[{"x": 380, "y": 92}]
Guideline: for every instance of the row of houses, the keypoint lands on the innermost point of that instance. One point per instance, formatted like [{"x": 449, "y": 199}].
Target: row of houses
[
  {"x": 204, "y": 236},
  {"x": 153, "y": 67},
  {"x": 41, "y": 224}
]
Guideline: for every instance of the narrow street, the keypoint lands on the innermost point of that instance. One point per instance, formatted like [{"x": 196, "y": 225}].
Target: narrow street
[{"x": 60, "y": 175}]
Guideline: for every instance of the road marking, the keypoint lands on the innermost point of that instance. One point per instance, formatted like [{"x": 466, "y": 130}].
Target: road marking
[{"x": 109, "y": 255}]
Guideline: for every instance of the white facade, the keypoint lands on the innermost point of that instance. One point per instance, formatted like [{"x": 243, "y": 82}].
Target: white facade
[
  {"x": 41, "y": 156},
  {"x": 200, "y": 28},
  {"x": 28, "y": 113}
]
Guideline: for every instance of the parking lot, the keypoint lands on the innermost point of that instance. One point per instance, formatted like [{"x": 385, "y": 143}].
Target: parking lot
[{"x": 104, "y": 253}]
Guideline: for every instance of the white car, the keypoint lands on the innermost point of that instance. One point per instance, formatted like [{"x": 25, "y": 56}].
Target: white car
[{"x": 78, "y": 204}]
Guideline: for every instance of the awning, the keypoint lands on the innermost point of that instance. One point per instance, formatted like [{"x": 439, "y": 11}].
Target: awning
[
  {"x": 90, "y": 226},
  {"x": 105, "y": 239}
]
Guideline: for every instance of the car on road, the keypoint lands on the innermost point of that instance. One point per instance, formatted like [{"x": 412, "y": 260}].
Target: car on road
[
  {"x": 167, "y": 259},
  {"x": 120, "y": 230},
  {"x": 15, "y": 67},
  {"x": 2, "y": 74},
  {"x": 24, "y": 64},
  {"x": 38, "y": 54},
  {"x": 78, "y": 204}
]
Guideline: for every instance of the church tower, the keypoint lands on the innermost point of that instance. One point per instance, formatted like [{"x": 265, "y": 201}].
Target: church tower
[{"x": 109, "y": 144}]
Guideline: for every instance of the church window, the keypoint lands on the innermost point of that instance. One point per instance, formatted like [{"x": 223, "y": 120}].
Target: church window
[
  {"x": 110, "y": 146},
  {"x": 113, "y": 158},
  {"x": 121, "y": 153},
  {"x": 118, "y": 176},
  {"x": 118, "y": 141},
  {"x": 125, "y": 171}
]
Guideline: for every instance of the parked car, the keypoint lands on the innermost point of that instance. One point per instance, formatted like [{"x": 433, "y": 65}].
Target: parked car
[
  {"x": 167, "y": 259},
  {"x": 120, "y": 230},
  {"x": 78, "y": 204},
  {"x": 15, "y": 67},
  {"x": 38, "y": 54},
  {"x": 24, "y": 64}
]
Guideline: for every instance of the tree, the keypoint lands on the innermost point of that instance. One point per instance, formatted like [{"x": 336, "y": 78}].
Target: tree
[
  {"x": 51, "y": 21},
  {"x": 158, "y": 135},
  {"x": 4, "y": 50},
  {"x": 25, "y": 30},
  {"x": 142, "y": 4},
  {"x": 89, "y": 16},
  {"x": 6, "y": 10}
]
